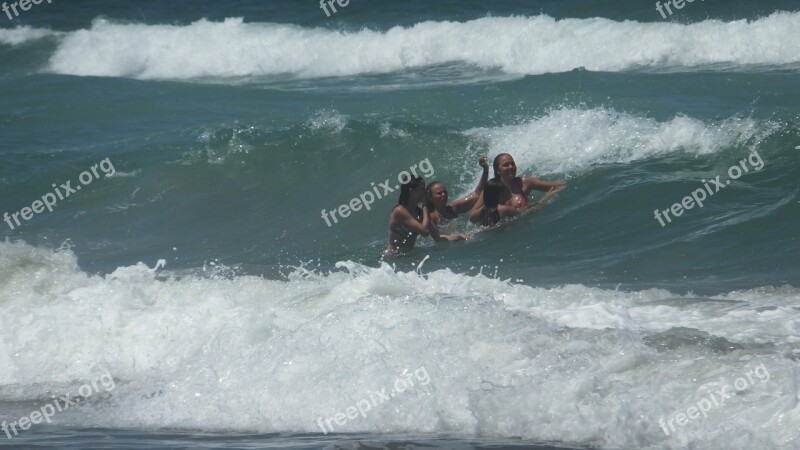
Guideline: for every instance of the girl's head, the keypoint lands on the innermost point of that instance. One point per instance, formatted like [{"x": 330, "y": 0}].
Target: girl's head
[
  {"x": 437, "y": 194},
  {"x": 495, "y": 193},
  {"x": 412, "y": 191},
  {"x": 504, "y": 167}
]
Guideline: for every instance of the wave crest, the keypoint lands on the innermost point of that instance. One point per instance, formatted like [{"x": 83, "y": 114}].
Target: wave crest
[{"x": 233, "y": 49}]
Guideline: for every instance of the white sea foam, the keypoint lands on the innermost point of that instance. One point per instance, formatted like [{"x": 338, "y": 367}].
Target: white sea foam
[
  {"x": 571, "y": 141},
  {"x": 583, "y": 365},
  {"x": 24, "y": 34},
  {"x": 327, "y": 120},
  {"x": 233, "y": 49}
]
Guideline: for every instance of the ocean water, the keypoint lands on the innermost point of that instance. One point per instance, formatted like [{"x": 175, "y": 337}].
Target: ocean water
[{"x": 186, "y": 291}]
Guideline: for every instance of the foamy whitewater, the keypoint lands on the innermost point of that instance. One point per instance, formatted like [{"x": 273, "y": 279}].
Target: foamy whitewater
[
  {"x": 198, "y": 296},
  {"x": 517, "y": 45},
  {"x": 575, "y": 140},
  {"x": 503, "y": 359}
]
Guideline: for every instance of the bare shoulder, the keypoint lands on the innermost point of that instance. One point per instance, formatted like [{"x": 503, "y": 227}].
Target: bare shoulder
[
  {"x": 398, "y": 212},
  {"x": 526, "y": 183}
]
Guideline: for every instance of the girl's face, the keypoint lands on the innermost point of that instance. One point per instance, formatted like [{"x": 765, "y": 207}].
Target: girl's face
[
  {"x": 438, "y": 194},
  {"x": 507, "y": 167}
]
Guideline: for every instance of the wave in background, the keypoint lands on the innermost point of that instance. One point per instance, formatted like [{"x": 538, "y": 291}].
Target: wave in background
[
  {"x": 562, "y": 141},
  {"x": 25, "y": 34},
  {"x": 573, "y": 141},
  {"x": 515, "y": 45}
]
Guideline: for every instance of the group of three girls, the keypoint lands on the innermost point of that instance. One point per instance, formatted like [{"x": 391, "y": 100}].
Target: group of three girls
[{"x": 422, "y": 211}]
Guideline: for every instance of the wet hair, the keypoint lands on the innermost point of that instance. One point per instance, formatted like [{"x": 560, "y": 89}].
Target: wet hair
[
  {"x": 496, "y": 164},
  {"x": 429, "y": 200},
  {"x": 492, "y": 193},
  {"x": 405, "y": 189}
]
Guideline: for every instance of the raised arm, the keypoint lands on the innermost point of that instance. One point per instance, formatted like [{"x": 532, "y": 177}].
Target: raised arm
[{"x": 463, "y": 205}]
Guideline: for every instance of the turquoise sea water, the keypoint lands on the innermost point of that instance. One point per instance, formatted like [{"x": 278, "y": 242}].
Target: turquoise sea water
[{"x": 202, "y": 275}]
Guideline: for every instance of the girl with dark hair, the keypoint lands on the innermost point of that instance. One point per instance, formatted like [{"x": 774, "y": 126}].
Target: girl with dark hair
[
  {"x": 505, "y": 170},
  {"x": 437, "y": 198},
  {"x": 410, "y": 219},
  {"x": 495, "y": 196}
]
